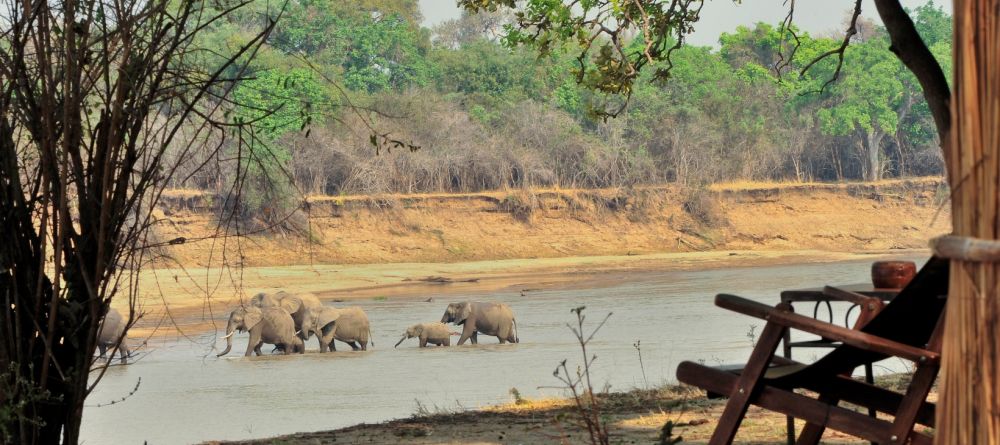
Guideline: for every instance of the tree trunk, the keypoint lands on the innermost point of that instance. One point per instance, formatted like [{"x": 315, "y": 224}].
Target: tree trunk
[
  {"x": 969, "y": 408},
  {"x": 871, "y": 147}
]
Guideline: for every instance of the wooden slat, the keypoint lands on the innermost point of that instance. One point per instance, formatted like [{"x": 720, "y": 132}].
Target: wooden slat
[
  {"x": 846, "y": 295},
  {"x": 829, "y": 331},
  {"x": 868, "y": 396}
]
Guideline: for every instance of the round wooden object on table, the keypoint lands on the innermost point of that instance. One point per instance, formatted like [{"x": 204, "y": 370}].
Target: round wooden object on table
[{"x": 892, "y": 274}]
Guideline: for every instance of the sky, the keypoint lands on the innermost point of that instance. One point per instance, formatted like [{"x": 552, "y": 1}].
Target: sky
[{"x": 718, "y": 16}]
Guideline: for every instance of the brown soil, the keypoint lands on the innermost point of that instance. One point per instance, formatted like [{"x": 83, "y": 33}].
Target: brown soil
[
  {"x": 634, "y": 417},
  {"x": 437, "y": 228}
]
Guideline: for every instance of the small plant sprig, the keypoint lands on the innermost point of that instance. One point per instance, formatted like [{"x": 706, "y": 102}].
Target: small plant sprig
[
  {"x": 638, "y": 349},
  {"x": 579, "y": 383},
  {"x": 518, "y": 399}
]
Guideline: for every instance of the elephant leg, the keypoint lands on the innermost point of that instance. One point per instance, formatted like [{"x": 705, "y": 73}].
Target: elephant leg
[
  {"x": 423, "y": 342},
  {"x": 475, "y": 337},
  {"x": 254, "y": 344},
  {"x": 124, "y": 353},
  {"x": 468, "y": 331},
  {"x": 502, "y": 340},
  {"x": 103, "y": 349},
  {"x": 354, "y": 345},
  {"x": 446, "y": 342}
]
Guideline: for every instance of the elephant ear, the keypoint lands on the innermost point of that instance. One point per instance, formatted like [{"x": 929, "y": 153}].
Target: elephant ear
[
  {"x": 252, "y": 317},
  {"x": 464, "y": 312},
  {"x": 327, "y": 315},
  {"x": 291, "y": 303}
]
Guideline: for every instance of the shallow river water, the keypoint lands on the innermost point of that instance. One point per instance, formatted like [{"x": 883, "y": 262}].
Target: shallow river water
[{"x": 187, "y": 395}]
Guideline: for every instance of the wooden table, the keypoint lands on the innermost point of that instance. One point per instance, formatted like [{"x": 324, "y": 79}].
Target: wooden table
[{"x": 815, "y": 295}]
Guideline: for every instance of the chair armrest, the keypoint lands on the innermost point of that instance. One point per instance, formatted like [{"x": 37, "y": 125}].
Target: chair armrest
[
  {"x": 846, "y": 295},
  {"x": 828, "y": 331}
]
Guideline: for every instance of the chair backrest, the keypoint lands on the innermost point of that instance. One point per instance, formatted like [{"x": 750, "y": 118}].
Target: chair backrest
[{"x": 910, "y": 318}]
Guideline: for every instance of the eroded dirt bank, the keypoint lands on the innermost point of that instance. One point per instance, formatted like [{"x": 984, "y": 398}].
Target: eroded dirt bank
[{"x": 853, "y": 217}]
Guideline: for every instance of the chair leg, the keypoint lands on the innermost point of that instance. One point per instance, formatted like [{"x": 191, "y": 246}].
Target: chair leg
[
  {"x": 786, "y": 343},
  {"x": 747, "y": 384},
  {"x": 870, "y": 379},
  {"x": 813, "y": 432},
  {"x": 916, "y": 393}
]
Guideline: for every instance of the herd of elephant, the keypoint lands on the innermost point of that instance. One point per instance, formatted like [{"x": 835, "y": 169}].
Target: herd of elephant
[{"x": 287, "y": 320}]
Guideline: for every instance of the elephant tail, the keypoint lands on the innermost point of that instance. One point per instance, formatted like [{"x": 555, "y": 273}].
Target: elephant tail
[
  {"x": 516, "y": 338},
  {"x": 371, "y": 340}
]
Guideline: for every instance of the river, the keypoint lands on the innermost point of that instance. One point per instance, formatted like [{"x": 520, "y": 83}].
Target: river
[{"x": 187, "y": 395}]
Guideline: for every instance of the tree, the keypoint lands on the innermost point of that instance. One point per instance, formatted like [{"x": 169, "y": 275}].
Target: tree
[
  {"x": 92, "y": 94},
  {"x": 369, "y": 45},
  {"x": 868, "y": 105}
]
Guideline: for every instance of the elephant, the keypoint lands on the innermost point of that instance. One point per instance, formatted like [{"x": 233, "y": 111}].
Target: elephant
[
  {"x": 111, "y": 331},
  {"x": 265, "y": 299},
  {"x": 349, "y": 325},
  {"x": 434, "y": 333},
  {"x": 299, "y": 306},
  {"x": 271, "y": 325},
  {"x": 495, "y": 319}
]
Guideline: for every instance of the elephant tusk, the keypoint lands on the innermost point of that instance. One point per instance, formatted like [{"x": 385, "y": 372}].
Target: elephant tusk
[
  {"x": 298, "y": 332},
  {"x": 229, "y": 335}
]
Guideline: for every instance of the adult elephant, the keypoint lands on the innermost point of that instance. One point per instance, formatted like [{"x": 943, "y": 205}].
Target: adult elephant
[
  {"x": 349, "y": 325},
  {"x": 111, "y": 331},
  {"x": 299, "y": 306},
  {"x": 433, "y": 333},
  {"x": 265, "y": 299},
  {"x": 494, "y": 319},
  {"x": 271, "y": 325}
]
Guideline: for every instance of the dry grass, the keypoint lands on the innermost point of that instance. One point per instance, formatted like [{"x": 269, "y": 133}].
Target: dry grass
[{"x": 732, "y": 186}]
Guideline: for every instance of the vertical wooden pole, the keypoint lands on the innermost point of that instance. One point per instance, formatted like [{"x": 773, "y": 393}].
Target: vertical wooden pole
[{"x": 969, "y": 408}]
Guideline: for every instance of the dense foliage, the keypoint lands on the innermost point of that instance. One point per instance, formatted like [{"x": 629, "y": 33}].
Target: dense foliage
[{"x": 489, "y": 114}]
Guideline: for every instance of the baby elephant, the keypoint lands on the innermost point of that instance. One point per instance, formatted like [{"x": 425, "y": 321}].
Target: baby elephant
[{"x": 433, "y": 333}]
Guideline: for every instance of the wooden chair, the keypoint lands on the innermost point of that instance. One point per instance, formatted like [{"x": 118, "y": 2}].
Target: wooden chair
[{"x": 909, "y": 327}]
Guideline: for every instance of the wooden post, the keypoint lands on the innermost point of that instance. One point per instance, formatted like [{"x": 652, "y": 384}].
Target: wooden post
[{"x": 969, "y": 407}]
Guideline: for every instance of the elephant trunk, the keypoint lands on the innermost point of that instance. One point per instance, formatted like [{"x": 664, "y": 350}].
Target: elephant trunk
[
  {"x": 400, "y": 341},
  {"x": 230, "y": 330}
]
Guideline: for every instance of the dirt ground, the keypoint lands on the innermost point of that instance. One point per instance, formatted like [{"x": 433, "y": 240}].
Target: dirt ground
[{"x": 634, "y": 417}]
